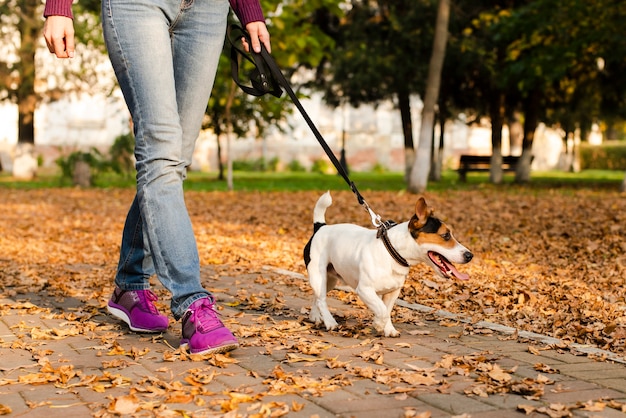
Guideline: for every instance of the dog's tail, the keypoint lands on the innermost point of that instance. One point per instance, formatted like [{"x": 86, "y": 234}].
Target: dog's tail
[
  {"x": 319, "y": 220},
  {"x": 319, "y": 213}
]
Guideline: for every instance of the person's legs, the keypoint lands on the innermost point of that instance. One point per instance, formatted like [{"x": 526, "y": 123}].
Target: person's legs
[
  {"x": 135, "y": 266},
  {"x": 165, "y": 55},
  {"x": 197, "y": 43},
  {"x": 197, "y": 40},
  {"x": 132, "y": 301}
]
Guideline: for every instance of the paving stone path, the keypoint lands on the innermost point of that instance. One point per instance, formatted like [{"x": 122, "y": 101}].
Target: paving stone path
[{"x": 441, "y": 366}]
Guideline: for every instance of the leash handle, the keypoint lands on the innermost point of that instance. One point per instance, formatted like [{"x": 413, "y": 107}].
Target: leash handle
[
  {"x": 260, "y": 77},
  {"x": 268, "y": 78}
]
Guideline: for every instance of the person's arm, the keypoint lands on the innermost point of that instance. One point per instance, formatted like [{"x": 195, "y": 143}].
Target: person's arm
[
  {"x": 251, "y": 16},
  {"x": 58, "y": 30}
]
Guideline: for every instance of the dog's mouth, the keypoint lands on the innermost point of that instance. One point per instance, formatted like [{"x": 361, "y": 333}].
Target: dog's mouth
[{"x": 447, "y": 268}]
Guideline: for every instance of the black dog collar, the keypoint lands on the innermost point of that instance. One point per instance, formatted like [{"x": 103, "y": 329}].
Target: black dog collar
[{"x": 382, "y": 234}]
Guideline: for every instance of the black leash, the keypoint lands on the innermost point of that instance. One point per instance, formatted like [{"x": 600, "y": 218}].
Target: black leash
[{"x": 268, "y": 78}]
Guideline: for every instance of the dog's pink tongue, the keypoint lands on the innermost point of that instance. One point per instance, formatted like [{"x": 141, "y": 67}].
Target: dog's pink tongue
[{"x": 456, "y": 273}]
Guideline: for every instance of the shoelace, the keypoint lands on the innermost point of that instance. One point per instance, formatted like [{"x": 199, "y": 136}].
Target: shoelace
[
  {"x": 204, "y": 316},
  {"x": 147, "y": 301}
]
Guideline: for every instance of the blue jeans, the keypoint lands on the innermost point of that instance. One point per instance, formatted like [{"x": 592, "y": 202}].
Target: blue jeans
[{"x": 165, "y": 55}]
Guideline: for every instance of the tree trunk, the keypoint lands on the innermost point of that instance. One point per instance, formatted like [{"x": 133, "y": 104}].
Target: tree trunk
[
  {"x": 531, "y": 120},
  {"x": 220, "y": 164},
  {"x": 26, "y": 165},
  {"x": 576, "y": 155},
  {"x": 404, "y": 102},
  {"x": 442, "y": 130},
  {"x": 564, "y": 160},
  {"x": 497, "y": 110},
  {"x": 437, "y": 159},
  {"x": 421, "y": 167},
  {"x": 229, "y": 134}
]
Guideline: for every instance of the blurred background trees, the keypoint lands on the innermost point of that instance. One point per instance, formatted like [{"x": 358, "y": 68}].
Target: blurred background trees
[
  {"x": 22, "y": 76},
  {"x": 558, "y": 62}
]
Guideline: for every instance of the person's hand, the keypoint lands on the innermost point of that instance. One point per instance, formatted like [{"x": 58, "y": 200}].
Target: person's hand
[
  {"x": 258, "y": 35},
  {"x": 58, "y": 32}
]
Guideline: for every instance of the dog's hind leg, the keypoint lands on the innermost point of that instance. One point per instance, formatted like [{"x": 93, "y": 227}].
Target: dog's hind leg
[
  {"x": 319, "y": 309},
  {"x": 378, "y": 305}
]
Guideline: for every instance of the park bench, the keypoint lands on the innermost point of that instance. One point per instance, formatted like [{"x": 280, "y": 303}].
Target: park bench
[{"x": 483, "y": 163}]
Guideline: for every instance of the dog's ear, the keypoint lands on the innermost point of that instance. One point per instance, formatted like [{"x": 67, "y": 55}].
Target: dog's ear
[{"x": 422, "y": 213}]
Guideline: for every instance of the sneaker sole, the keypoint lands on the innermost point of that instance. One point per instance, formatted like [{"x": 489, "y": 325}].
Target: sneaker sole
[
  {"x": 120, "y": 314},
  {"x": 213, "y": 350}
]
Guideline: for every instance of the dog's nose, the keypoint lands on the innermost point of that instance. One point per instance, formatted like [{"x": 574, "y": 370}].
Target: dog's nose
[{"x": 468, "y": 256}]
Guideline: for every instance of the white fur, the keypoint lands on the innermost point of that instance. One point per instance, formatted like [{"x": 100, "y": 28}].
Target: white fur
[{"x": 362, "y": 262}]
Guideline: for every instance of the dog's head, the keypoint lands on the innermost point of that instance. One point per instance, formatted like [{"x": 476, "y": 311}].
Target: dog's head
[{"x": 437, "y": 244}]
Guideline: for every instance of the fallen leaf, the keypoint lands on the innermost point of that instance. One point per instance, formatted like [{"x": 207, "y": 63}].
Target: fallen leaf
[{"x": 124, "y": 405}]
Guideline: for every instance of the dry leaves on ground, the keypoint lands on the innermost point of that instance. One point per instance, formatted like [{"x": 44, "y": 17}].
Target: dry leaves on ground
[{"x": 547, "y": 262}]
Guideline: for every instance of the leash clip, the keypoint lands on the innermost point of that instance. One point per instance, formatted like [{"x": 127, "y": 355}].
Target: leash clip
[
  {"x": 383, "y": 227},
  {"x": 377, "y": 221}
]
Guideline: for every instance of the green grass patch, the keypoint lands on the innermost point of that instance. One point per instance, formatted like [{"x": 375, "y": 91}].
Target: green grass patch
[{"x": 292, "y": 181}]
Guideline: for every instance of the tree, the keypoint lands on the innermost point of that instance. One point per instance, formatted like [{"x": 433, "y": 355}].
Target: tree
[
  {"x": 21, "y": 21},
  {"x": 421, "y": 168},
  {"x": 473, "y": 79},
  {"x": 380, "y": 56},
  {"x": 536, "y": 58},
  {"x": 552, "y": 54},
  {"x": 298, "y": 41},
  {"x": 231, "y": 111},
  {"x": 18, "y": 68}
]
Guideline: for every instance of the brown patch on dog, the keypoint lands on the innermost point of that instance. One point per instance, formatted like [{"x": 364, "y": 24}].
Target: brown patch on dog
[
  {"x": 422, "y": 213},
  {"x": 442, "y": 238}
]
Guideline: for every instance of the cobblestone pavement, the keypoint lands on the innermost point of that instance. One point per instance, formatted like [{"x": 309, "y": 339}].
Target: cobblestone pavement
[{"x": 441, "y": 366}]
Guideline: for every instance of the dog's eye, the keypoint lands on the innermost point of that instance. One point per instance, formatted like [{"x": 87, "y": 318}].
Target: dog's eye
[{"x": 446, "y": 236}]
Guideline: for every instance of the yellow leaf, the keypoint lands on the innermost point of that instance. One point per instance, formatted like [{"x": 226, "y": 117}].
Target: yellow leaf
[
  {"x": 499, "y": 375},
  {"x": 333, "y": 363},
  {"x": 99, "y": 388},
  {"x": 420, "y": 379},
  {"x": 221, "y": 360},
  {"x": 594, "y": 406},
  {"x": 296, "y": 407},
  {"x": 179, "y": 397},
  {"x": 544, "y": 380},
  {"x": 294, "y": 358},
  {"x": 127, "y": 404}
]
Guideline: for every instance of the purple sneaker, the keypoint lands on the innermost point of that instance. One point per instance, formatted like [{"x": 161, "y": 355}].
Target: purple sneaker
[
  {"x": 136, "y": 308},
  {"x": 203, "y": 331}
]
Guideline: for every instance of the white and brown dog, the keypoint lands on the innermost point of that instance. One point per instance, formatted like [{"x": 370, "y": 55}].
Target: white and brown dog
[{"x": 376, "y": 264}]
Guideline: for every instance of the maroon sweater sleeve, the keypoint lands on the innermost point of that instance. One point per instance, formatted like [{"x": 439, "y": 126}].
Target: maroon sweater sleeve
[
  {"x": 58, "y": 8},
  {"x": 247, "y": 11}
]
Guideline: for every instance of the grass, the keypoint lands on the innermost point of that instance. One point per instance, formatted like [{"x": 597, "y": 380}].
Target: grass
[{"x": 292, "y": 181}]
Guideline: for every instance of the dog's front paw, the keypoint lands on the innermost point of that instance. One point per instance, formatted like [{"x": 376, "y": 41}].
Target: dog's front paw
[
  {"x": 330, "y": 323},
  {"x": 385, "y": 327},
  {"x": 388, "y": 330},
  {"x": 317, "y": 317},
  {"x": 393, "y": 333}
]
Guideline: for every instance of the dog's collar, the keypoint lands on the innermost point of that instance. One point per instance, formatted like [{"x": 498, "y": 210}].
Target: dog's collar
[{"x": 382, "y": 234}]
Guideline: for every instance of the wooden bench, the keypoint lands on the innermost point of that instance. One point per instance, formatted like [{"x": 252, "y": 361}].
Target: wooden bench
[{"x": 483, "y": 163}]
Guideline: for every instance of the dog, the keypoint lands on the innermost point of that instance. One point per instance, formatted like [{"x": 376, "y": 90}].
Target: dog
[{"x": 361, "y": 259}]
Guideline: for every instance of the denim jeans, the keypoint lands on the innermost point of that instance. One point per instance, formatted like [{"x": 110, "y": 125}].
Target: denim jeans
[{"x": 165, "y": 55}]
